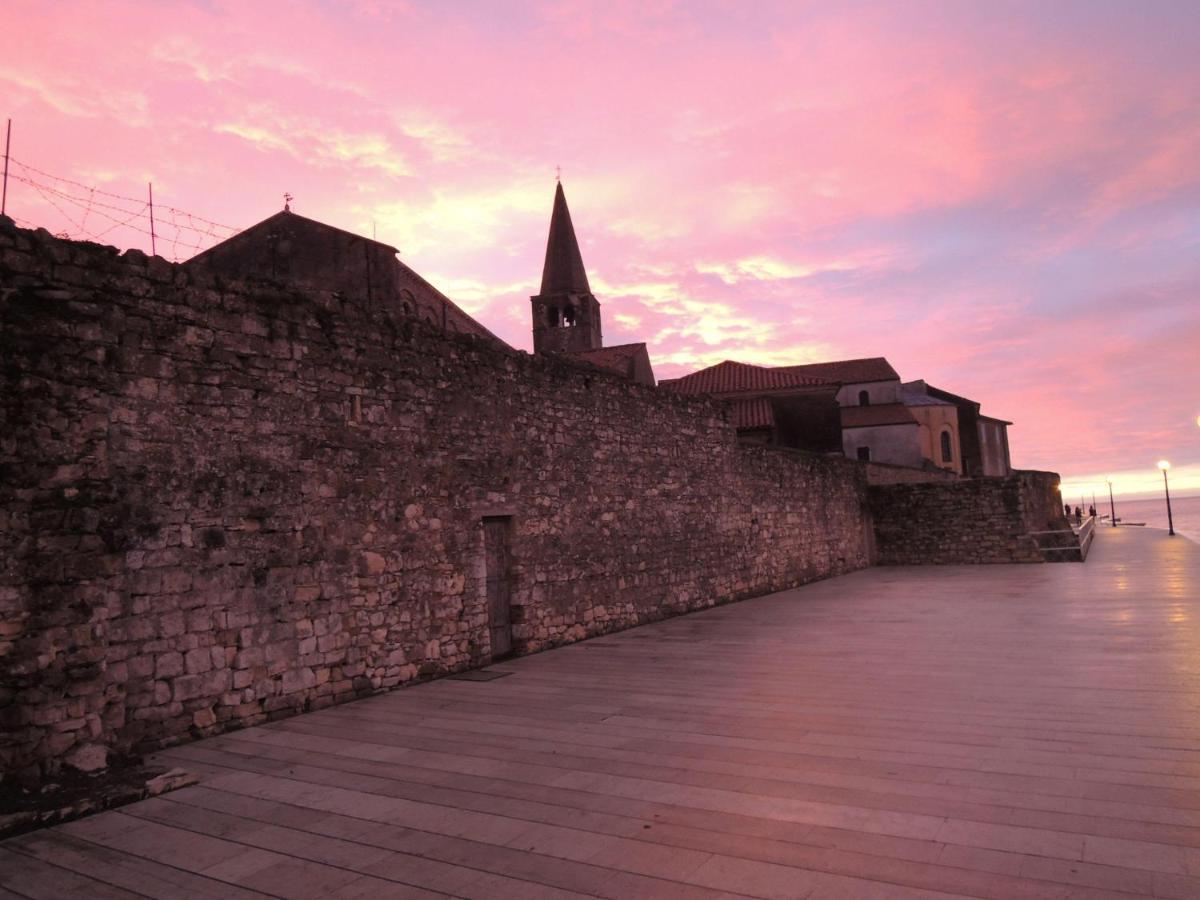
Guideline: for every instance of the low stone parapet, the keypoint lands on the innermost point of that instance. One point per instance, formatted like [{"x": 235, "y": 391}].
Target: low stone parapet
[{"x": 971, "y": 520}]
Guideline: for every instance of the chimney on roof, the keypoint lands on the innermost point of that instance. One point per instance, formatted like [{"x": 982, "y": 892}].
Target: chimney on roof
[{"x": 566, "y": 316}]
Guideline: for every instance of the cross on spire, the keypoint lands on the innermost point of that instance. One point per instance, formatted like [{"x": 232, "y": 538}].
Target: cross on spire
[
  {"x": 287, "y": 202},
  {"x": 558, "y": 174}
]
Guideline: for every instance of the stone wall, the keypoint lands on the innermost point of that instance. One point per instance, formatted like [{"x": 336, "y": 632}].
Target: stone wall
[
  {"x": 222, "y": 502},
  {"x": 886, "y": 473},
  {"x": 1041, "y": 500},
  {"x": 976, "y": 520}
]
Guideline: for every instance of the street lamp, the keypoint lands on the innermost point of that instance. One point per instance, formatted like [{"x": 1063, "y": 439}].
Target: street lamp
[
  {"x": 1164, "y": 465},
  {"x": 1112, "y": 507}
]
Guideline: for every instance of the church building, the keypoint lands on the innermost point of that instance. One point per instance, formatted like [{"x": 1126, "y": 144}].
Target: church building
[
  {"x": 566, "y": 314},
  {"x": 296, "y": 250}
]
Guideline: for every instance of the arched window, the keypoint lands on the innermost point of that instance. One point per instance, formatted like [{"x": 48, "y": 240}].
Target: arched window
[
  {"x": 947, "y": 447},
  {"x": 864, "y": 398},
  {"x": 568, "y": 317},
  {"x": 552, "y": 315}
]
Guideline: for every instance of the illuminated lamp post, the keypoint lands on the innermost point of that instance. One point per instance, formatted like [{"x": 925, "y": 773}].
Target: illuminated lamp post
[
  {"x": 1112, "y": 507},
  {"x": 1164, "y": 465}
]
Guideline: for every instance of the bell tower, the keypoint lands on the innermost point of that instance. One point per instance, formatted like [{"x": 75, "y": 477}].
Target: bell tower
[{"x": 566, "y": 316}]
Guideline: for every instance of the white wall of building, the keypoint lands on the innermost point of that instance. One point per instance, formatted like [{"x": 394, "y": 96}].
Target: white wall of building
[{"x": 879, "y": 391}]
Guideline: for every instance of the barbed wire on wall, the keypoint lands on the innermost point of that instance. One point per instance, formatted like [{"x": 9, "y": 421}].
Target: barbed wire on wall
[{"x": 93, "y": 214}]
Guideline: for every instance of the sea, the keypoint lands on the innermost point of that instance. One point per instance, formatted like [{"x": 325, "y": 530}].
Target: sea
[{"x": 1184, "y": 510}]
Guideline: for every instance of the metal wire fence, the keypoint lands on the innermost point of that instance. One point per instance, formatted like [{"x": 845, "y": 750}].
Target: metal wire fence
[{"x": 90, "y": 213}]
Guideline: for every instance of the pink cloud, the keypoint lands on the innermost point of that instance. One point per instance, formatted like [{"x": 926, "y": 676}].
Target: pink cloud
[{"x": 1004, "y": 201}]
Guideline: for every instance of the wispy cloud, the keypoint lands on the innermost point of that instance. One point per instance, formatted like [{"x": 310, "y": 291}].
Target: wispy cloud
[{"x": 1004, "y": 201}]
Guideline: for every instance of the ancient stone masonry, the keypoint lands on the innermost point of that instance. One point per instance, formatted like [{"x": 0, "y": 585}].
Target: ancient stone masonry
[
  {"x": 977, "y": 520},
  {"x": 222, "y": 501},
  {"x": 886, "y": 473}
]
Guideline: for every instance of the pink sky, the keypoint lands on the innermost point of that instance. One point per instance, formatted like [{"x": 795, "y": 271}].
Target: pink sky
[{"x": 1002, "y": 199}]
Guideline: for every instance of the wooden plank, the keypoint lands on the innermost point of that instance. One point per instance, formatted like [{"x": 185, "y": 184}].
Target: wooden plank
[
  {"x": 123, "y": 870},
  {"x": 1003, "y": 732},
  {"x": 28, "y": 876},
  {"x": 837, "y": 860}
]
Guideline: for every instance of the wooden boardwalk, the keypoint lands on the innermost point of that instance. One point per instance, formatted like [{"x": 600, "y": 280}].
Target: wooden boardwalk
[{"x": 1003, "y": 732}]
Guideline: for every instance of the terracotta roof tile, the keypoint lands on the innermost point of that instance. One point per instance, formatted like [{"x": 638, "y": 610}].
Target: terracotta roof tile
[
  {"x": 621, "y": 359},
  {"x": 753, "y": 413},
  {"x": 849, "y": 371},
  {"x": 616, "y": 359},
  {"x": 733, "y": 377}
]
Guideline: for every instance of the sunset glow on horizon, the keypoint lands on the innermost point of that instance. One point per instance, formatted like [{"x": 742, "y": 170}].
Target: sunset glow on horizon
[{"x": 1002, "y": 199}]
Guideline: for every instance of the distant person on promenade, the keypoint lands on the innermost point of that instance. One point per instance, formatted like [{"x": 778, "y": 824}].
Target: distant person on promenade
[
  {"x": 1092, "y": 511},
  {"x": 1078, "y": 516},
  {"x": 1067, "y": 510}
]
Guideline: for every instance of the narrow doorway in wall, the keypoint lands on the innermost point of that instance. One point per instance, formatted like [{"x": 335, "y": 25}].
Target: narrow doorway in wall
[{"x": 497, "y": 554}]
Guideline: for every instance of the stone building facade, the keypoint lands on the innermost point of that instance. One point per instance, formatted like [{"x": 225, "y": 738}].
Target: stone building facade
[
  {"x": 910, "y": 424},
  {"x": 938, "y": 427},
  {"x": 861, "y": 397},
  {"x": 982, "y": 441}
]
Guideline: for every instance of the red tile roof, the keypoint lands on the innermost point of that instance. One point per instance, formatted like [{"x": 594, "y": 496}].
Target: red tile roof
[
  {"x": 735, "y": 378},
  {"x": 752, "y": 413},
  {"x": 849, "y": 371},
  {"x": 617, "y": 359},
  {"x": 884, "y": 414}
]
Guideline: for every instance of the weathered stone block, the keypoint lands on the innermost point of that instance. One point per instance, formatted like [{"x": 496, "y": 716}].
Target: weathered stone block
[
  {"x": 88, "y": 758},
  {"x": 209, "y": 684},
  {"x": 168, "y": 665},
  {"x": 198, "y": 660}
]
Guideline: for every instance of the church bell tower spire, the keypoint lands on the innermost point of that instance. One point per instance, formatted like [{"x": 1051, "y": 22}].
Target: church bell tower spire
[{"x": 566, "y": 315}]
